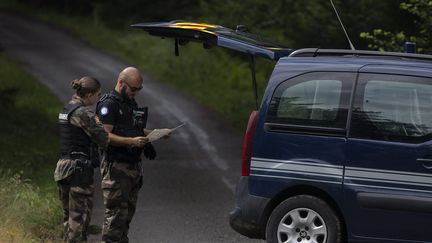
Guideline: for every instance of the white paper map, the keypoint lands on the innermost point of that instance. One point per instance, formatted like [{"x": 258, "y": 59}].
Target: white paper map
[{"x": 157, "y": 134}]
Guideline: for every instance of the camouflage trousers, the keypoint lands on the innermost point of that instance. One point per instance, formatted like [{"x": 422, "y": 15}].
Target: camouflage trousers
[
  {"x": 120, "y": 185},
  {"x": 77, "y": 202}
]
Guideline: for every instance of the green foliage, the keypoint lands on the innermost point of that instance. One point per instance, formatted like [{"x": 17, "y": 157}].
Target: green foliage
[
  {"x": 421, "y": 10},
  {"x": 28, "y": 149},
  {"x": 120, "y": 14},
  {"x": 27, "y": 122},
  {"x": 312, "y": 23},
  {"x": 25, "y": 208},
  {"x": 385, "y": 40},
  {"x": 297, "y": 24}
]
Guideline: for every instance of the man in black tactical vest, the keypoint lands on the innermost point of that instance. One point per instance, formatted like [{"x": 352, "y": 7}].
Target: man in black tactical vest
[{"x": 121, "y": 167}]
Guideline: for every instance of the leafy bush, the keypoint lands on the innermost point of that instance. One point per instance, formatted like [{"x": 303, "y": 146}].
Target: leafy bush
[{"x": 386, "y": 40}]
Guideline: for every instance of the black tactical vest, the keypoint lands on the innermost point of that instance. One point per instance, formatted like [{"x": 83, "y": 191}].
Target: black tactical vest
[
  {"x": 72, "y": 138},
  {"x": 130, "y": 123}
]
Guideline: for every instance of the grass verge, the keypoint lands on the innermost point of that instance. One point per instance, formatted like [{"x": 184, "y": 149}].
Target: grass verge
[{"x": 29, "y": 207}]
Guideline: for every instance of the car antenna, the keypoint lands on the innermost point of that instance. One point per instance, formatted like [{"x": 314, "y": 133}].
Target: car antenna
[{"x": 340, "y": 21}]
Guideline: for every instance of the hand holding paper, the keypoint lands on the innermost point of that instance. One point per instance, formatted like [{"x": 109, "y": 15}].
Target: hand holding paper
[{"x": 157, "y": 134}]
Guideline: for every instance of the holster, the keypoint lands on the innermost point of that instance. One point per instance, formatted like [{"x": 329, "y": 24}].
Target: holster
[
  {"x": 123, "y": 158},
  {"x": 83, "y": 174}
]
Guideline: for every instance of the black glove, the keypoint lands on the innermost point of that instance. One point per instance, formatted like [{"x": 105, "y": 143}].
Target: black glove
[{"x": 149, "y": 151}]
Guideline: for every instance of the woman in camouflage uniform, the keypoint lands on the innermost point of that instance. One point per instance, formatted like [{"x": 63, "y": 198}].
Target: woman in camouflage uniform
[{"x": 80, "y": 130}]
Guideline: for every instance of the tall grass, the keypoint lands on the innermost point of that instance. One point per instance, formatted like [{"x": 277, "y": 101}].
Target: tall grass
[
  {"x": 28, "y": 215},
  {"x": 29, "y": 209}
]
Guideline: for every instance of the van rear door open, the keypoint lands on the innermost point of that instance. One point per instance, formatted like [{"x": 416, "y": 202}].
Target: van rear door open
[{"x": 216, "y": 35}]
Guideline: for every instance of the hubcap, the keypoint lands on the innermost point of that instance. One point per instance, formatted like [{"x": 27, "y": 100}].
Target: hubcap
[
  {"x": 303, "y": 234},
  {"x": 302, "y": 225}
]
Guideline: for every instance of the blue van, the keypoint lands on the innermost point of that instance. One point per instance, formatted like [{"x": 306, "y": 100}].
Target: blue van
[{"x": 340, "y": 148}]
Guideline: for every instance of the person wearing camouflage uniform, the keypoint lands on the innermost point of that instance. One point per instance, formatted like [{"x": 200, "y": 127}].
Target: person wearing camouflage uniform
[
  {"x": 80, "y": 132},
  {"x": 121, "y": 166}
]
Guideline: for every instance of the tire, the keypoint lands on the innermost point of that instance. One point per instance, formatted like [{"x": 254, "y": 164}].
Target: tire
[{"x": 304, "y": 219}]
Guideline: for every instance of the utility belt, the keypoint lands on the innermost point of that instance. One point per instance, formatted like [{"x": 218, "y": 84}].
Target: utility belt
[
  {"x": 75, "y": 155},
  {"x": 83, "y": 160},
  {"x": 123, "y": 158}
]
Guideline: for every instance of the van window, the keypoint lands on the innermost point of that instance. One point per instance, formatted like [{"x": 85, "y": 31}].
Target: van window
[
  {"x": 393, "y": 108},
  {"x": 313, "y": 99}
]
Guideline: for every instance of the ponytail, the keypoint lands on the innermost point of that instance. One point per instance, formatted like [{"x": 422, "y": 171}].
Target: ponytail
[{"x": 85, "y": 85}]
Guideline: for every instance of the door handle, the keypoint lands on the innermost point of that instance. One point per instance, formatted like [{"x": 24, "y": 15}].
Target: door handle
[{"x": 427, "y": 163}]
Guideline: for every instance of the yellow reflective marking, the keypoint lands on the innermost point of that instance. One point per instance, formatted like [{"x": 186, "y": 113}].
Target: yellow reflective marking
[
  {"x": 210, "y": 32},
  {"x": 189, "y": 27},
  {"x": 275, "y": 48},
  {"x": 199, "y": 28},
  {"x": 201, "y": 25}
]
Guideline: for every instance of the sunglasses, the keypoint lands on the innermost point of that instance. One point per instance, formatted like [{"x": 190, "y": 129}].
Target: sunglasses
[{"x": 133, "y": 89}]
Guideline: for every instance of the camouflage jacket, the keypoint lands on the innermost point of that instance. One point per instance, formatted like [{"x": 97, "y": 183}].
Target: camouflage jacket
[{"x": 86, "y": 119}]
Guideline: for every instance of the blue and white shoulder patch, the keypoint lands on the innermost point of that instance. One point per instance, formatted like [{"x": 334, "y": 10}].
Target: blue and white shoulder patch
[{"x": 104, "y": 111}]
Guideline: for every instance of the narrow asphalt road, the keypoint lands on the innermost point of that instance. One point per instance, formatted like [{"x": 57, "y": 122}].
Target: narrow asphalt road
[{"x": 188, "y": 190}]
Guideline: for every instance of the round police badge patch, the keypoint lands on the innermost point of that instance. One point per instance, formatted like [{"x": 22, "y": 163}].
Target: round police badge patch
[{"x": 104, "y": 111}]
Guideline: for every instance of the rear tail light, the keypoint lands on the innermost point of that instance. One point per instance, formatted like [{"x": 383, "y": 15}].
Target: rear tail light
[{"x": 247, "y": 143}]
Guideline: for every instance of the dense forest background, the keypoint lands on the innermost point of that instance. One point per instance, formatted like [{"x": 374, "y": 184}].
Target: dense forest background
[{"x": 296, "y": 24}]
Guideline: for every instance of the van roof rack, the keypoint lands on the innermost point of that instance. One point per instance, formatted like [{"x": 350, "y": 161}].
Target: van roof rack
[{"x": 315, "y": 52}]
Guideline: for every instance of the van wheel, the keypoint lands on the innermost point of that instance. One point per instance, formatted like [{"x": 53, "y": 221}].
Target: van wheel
[{"x": 304, "y": 218}]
